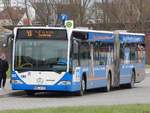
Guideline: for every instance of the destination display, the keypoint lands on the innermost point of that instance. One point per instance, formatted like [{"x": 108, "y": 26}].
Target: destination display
[{"x": 41, "y": 33}]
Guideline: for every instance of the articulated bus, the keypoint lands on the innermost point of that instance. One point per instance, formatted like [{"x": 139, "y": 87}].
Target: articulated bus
[{"x": 75, "y": 60}]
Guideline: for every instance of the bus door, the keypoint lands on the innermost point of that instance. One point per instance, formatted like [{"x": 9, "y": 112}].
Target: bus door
[
  {"x": 86, "y": 63},
  {"x": 86, "y": 59}
]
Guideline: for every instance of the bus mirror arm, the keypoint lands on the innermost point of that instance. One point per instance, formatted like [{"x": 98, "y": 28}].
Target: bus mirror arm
[{"x": 5, "y": 40}]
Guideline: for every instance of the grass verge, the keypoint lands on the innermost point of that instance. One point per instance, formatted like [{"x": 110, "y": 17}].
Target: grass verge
[
  {"x": 147, "y": 66},
  {"x": 138, "y": 108}
]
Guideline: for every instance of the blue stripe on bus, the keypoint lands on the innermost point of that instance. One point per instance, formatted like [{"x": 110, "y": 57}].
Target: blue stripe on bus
[
  {"x": 103, "y": 37},
  {"x": 125, "y": 38}
]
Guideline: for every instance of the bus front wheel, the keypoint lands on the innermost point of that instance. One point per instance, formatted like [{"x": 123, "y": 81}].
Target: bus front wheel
[{"x": 82, "y": 87}]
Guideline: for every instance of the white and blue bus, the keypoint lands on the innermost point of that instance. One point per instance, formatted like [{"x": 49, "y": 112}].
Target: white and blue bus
[{"x": 75, "y": 60}]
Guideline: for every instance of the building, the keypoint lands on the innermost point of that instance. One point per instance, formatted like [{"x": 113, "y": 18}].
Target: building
[{"x": 147, "y": 46}]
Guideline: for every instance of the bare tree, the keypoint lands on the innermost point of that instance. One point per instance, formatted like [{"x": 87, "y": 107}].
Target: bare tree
[
  {"x": 7, "y": 5},
  {"x": 125, "y": 13},
  {"x": 13, "y": 13},
  {"x": 76, "y": 9}
]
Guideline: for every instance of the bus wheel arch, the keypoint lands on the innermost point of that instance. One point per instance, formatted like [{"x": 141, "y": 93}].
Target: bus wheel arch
[
  {"x": 134, "y": 72},
  {"x": 132, "y": 81},
  {"x": 83, "y": 83},
  {"x": 85, "y": 78},
  {"x": 109, "y": 82},
  {"x": 110, "y": 73},
  {"x": 133, "y": 78}
]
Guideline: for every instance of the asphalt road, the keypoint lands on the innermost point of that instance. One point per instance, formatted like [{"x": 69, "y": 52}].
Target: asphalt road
[{"x": 19, "y": 100}]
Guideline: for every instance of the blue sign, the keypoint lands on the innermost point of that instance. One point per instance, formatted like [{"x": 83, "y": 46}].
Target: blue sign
[
  {"x": 63, "y": 17},
  {"x": 103, "y": 37}
]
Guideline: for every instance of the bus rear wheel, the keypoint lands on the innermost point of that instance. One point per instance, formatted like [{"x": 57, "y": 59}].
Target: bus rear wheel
[
  {"x": 131, "y": 84},
  {"x": 108, "y": 85},
  {"x": 30, "y": 93}
]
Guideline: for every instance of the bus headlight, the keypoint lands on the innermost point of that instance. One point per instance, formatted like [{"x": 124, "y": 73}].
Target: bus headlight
[
  {"x": 14, "y": 75},
  {"x": 16, "y": 82},
  {"x": 64, "y": 83}
]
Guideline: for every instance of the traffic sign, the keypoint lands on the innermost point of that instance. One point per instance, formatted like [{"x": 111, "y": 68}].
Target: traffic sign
[{"x": 69, "y": 24}]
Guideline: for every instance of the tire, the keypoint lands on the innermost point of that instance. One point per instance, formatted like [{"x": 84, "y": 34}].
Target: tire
[
  {"x": 108, "y": 86},
  {"x": 30, "y": 93},
  {"x": 131, "y": 84},
  {"x": 82, "y": 87}
]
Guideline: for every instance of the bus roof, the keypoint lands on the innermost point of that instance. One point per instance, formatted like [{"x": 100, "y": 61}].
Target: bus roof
[
  {"x": 94, "y": 31},
  {"x": 108, "y": 36},
  {"x": 75, "y": 29},
  {"x": 136, "y": 34},
  {"x": 100, "y": 35},
  {"x": 96, "y": 35},
  {"x": 80, "y": 30}
]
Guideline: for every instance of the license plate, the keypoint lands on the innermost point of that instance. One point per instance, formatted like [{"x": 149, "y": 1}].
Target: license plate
[{"x": 40, "y": 88}]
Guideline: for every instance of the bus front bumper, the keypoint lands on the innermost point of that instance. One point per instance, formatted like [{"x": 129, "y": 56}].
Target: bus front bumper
[{"x": 68, "y": 88}]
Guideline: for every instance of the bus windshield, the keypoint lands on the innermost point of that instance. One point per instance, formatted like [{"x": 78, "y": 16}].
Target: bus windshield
[{"x": 41, "y": 55}]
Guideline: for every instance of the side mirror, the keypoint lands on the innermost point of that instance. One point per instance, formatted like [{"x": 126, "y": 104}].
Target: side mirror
[{"x": 5, "y": 39}]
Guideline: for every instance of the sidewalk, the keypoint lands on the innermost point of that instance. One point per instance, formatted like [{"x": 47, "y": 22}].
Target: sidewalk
[{"x": 7, "y": 89}]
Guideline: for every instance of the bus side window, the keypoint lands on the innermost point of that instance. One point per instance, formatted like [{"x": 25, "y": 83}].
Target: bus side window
[
  {"x": 96, "y": 54},
  {"x": 75, "y": 54},
  {"x": 122, "y": 55},
  {"x": 143, "y": 56},
  {"x": 133, "y": 55},
  {"x": 140, "y": 54},
  {"x": 84, "y": 53},
  {"x": 127, "y": 55},
  {"x": 110, "y": 55}
]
